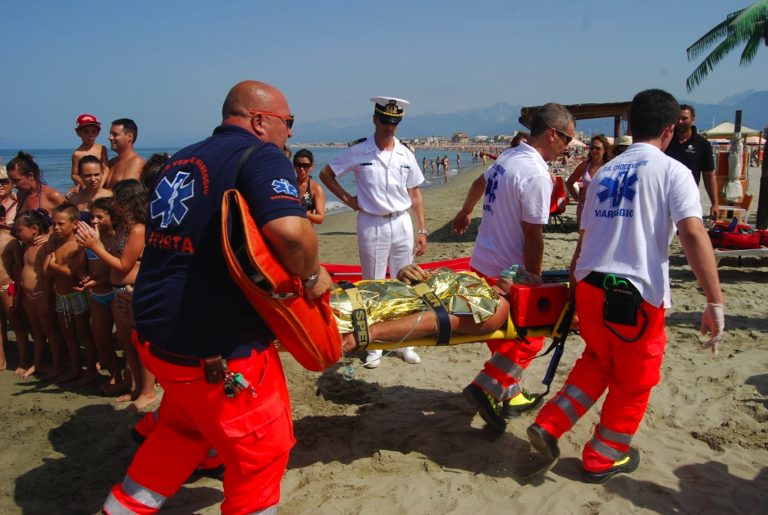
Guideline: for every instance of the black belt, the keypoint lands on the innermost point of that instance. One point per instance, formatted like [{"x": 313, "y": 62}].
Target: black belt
[
  {"x": 598, "y": 280},
  {"x": 175, "y": 359}
]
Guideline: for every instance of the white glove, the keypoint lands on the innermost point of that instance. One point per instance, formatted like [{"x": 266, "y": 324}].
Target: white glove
[{"x": 712, "y": 323}]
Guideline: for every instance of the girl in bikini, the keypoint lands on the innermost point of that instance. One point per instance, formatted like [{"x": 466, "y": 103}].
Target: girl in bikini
[
  {"x": 130, "y": 207},
  {"x": 95, "y": 279}
]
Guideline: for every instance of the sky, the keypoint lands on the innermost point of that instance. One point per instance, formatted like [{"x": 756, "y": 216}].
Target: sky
[{"x": 169, "y": 64}]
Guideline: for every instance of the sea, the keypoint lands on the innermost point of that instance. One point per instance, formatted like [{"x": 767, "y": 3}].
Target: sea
[{"x": 55, "y": 166}]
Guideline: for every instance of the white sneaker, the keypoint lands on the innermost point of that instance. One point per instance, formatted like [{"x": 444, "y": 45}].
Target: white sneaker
[
  {"x": 373, "y": 359},
  {"x": 409, "y": 355}
]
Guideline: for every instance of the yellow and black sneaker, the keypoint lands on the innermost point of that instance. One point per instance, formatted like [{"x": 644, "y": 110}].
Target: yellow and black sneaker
[
  {"x": 488, "y": 407},
  {"x": 521, "y": 403},
  {"x": 627, "y": 464}
]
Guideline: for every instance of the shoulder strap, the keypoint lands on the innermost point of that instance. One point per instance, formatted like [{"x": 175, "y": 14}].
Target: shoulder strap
[{"x": 244, "y": 158}]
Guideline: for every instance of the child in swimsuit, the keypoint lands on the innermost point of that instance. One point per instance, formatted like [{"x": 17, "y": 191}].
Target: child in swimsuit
[
  {"x": 32, "y": 231},
  {"x": 130, "y": 206},
  {"x": 95, "y": 280},
  {"x": 73, "y": 308}
]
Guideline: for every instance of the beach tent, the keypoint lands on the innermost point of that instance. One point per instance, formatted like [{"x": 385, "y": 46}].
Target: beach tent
[{"x": 725, "y": 130}]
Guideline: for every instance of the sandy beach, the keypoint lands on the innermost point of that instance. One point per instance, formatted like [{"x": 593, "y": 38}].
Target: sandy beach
[{"x": 400, "y": 439}]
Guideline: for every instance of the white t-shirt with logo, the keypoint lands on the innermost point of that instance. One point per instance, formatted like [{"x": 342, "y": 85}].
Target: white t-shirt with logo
[
  {"x": 382, "y": 178},
  {"x": 518, "y": 189},
  {"x": 631, "y": 208}
]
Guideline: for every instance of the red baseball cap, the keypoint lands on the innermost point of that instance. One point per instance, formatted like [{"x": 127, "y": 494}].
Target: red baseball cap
[{"x": 87, "y": 119}]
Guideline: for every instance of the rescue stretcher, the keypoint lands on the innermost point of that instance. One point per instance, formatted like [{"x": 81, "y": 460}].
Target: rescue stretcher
[{"x": 307, "y": 328}]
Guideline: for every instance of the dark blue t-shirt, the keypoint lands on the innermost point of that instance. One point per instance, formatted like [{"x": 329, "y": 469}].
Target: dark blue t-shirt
[{"x": 185, "y": 300}]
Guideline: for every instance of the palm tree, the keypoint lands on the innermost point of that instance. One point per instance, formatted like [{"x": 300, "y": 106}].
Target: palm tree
[{"x": 746, "y": 26}]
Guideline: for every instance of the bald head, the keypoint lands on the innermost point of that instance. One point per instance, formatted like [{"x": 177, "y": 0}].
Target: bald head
[{"x": 248, "y": 95}]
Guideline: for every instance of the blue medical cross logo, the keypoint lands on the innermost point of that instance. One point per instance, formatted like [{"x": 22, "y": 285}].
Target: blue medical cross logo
[
  {"x": 618, "y": 188},
  {"x": 283, "y": 186},
  {"x": 169, "y": 199}
]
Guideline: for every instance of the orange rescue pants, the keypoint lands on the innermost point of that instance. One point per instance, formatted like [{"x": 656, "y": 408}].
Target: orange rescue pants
[
  {"x": 628, "y": 370},
  {"x": 252, "y": 432},
  {"x": 501, "y": 375}
]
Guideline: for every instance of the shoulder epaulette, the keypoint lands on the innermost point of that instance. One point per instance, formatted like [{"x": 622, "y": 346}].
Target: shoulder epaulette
[{"x": 353, "y": 143}]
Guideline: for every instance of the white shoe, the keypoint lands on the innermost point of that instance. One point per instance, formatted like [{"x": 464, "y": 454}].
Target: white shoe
[
  {"x": 409, "y": 355},
  {"x": 373, "y": 359}
]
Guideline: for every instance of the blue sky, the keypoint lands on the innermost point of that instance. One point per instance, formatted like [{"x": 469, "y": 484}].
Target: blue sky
[{"x": 168, "y": 64}]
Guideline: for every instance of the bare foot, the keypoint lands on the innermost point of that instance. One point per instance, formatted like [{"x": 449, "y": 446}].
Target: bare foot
[
  {"x": 125, "y": 398},
  {"x": 88, "y": 378},
  {"x": 113, "y": 388},
  {"x": 19, "y": 372},
  {"x": 52, "y": 374},
  {"x": 29, "y": 372},
  {"x": 141, "y": 402},
  {"x": 69, "y": 376}
]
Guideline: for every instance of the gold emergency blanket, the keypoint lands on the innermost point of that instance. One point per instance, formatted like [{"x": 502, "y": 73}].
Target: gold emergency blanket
[{"x": 462, "y": 293}]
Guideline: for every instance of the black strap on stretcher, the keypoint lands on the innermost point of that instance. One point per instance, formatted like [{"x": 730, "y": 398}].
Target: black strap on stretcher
[
  {"x": 431, "y": 299},
  {"x": 358, "y": 316},
  {"x": 559, "y": 336}
]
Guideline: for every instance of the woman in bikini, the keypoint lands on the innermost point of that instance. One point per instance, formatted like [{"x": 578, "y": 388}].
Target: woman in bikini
[
  {"x": 598, "y": 156},
  {"x": 311, "y": 194},
  {"x": 130, "y": 207},
  {"x": 33, "y": 192}
]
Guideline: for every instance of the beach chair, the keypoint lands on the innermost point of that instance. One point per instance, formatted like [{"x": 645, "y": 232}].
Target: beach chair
[{"x": 557, "y": 204}]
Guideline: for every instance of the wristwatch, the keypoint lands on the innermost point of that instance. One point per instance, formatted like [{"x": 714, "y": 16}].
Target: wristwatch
[
  {"x": 423, "y": 231},
  {"x": 310, "y": 280}
]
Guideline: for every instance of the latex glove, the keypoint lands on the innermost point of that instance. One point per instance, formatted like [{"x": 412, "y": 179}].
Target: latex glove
[{"x": 712, "y": 323}]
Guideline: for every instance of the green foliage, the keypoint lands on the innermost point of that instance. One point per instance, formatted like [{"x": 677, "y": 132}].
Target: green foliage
[{"x": 743, "y": 27}]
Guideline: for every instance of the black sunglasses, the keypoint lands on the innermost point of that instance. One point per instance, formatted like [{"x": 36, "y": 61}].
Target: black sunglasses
[
  {"x": 566, "y": 137},
  {"x": 303, "y": 165},
  {"x": 5, "y": 182}
]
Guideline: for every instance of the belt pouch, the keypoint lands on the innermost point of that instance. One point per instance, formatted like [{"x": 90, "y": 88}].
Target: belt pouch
[
  {"x": 621, "y": 305},
  {"x": 214, "y": 370}
]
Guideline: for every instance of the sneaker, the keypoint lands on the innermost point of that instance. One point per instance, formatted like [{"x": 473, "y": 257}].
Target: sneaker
[
  {"x": 543, "y": 442},
  {"x": 373, "y": 359},
  {"x": 627, "y": 464},
  {"x": 521, "y": 403},
  {"x": 409, "y": 355},
  {"x": 487, "y": 406}
]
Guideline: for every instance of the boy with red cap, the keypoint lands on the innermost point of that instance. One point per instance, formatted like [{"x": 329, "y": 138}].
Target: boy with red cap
[{"x": 88, "y": 128}]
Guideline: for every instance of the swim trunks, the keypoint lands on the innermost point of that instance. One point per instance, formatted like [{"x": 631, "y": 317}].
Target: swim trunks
[{"x": 73, "y": 303}]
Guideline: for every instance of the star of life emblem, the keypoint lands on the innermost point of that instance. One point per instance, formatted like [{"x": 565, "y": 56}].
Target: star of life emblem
[{"x": 168, "y": 204}]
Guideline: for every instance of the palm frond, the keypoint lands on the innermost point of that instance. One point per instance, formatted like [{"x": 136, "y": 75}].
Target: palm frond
[
  {"x": 709, "y": 62},
  {"x": 750, "y": 50},
  {"x": 750, "y": 20},
  {"x": 715, "y": 34}
]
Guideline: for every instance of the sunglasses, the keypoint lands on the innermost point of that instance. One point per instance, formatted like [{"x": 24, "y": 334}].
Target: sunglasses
[
  {"x": 5, "y": 182},
  {"x": 288, "y": 120},
  {"x": 306, "y": 166},
  {"x": 566, "y": 137},
  {"x": 596, "y": 148}
]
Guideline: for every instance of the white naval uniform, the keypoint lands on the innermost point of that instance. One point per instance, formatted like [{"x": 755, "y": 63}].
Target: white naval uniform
[{"x": 384, "y": 228}]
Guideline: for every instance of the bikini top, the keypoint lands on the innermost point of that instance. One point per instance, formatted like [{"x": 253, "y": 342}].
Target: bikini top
[{"x": 307, "y": 200}]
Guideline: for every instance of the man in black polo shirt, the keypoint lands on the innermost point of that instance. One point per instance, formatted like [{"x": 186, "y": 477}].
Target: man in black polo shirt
[{"x": 695, "y": 152}]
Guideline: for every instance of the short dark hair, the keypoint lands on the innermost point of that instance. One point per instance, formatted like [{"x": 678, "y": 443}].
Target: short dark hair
[
  {"x": 305, "y": 154},
  {"x": 88, "y": 159},
  {"x": 551, "y": 115},
  {"x": 68, "y": 209},
  {"x": 33, "y": 219},
  {"x": 128, "y": 126},
  {"x": 151, "y": 169},
  {"x": 650, "y": 112},
  {"x": 690, "y": 108}
]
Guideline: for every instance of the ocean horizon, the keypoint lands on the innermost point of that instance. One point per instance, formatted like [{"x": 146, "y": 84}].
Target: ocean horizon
[{"x": 55, "y": 165}]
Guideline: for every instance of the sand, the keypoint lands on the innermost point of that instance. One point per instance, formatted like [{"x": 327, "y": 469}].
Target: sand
[{"x": 401, "y": 439}]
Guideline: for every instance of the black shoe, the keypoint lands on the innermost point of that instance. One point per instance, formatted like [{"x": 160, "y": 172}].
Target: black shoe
[
  {"x": 530, "y": 401},
  {"x": 627, "y": 464},
  {"x": 487, "y": 406},
  {"x": 543, "y": 442}
]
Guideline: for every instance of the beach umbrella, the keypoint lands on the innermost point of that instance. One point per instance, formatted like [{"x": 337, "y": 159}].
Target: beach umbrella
[
  {"x": 576, "y": 143},
  {"x": 733, "y": 190}
]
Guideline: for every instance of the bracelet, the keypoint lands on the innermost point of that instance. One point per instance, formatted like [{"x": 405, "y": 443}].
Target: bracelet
[
  {"x": 310, "y": 280},
  {"x": 423, "y": 231}
]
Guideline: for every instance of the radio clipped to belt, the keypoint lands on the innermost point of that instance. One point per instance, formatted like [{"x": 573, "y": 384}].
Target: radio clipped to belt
[{"x": 622, "y": 304}]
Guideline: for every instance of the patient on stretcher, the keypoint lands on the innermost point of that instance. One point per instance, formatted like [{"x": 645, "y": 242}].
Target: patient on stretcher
[{"x": 395, "y": 312}]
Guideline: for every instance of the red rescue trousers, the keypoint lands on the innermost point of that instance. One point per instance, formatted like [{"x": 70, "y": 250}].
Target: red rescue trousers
[
  {"x": 252, "y": 432},
  {"x": 628, "y": 370},
  {"x": 501, "y": 375}
]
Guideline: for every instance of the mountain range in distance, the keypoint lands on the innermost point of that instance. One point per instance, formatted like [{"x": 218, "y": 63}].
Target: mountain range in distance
[{"x": 502, "y": 118}]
